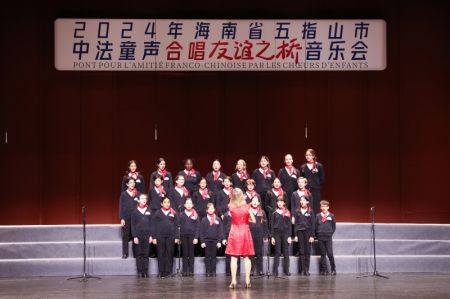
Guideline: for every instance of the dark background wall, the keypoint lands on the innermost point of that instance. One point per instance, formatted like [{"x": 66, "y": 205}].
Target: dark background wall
[{"x": 384, "y": 137}]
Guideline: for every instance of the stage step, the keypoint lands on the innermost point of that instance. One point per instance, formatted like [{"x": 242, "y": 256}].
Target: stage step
[{"x": 57, "y": 250}]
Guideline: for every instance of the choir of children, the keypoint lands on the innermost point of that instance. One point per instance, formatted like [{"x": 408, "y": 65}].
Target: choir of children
[{"x": 194, "y": 211}]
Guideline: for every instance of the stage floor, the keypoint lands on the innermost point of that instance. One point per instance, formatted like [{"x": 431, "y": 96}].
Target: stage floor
[{"x": 399, "y": 285}]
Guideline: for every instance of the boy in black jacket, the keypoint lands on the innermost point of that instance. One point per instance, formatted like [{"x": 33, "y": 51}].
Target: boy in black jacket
[
  {"x": 281, "y": 231},
  {"x": 304, "y": 223},
  {"x": 165, "y": 235},
  {"x": 325, "y": 228},
  {"x": 211, "y": 236},
  {"x": 127, "y": 204},
  {"x": 141, "y": 232},
  {"x": 190, "y": 226}
]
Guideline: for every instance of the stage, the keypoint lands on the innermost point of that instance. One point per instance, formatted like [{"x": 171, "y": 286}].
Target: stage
[{"x": 399, "y": 285}]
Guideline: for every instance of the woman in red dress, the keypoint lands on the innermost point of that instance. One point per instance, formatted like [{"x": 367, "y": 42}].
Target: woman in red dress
[{"x": 240, "y": 242}]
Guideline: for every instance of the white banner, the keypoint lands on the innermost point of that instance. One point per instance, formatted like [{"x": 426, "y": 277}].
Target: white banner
[{"x": 219, "y": 45}]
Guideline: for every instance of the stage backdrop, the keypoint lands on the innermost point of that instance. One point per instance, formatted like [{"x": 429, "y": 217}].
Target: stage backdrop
[{"x": 383, "y": 137}]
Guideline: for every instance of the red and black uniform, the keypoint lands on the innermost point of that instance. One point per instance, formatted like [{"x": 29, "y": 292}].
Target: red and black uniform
[
  {"x": 167, "y": 180},
  {"x": 223, "y": 199},
  {"x": 214, "y": 179},
  {"x": 295, "y": 198},
  {"x": 127, "y": 204},
  {"x": 141, "y": 228},
  {"x": 191, "y": 179},
  {"x": 259, "y": 232},
  {"x": 250, "y": 194},
  {"x": 178, "y": 196},
  {"x": 272, "y": 198},
  {"x": 263, "y": 179},
  {"x": 211, "y": 233},
  {"x": 304, "y": 228},
  {"x": 156, "y": 196},
  {"x": 288, "y": 176},
  {"x": 189, "y": 230},
  {"x": 165, "y": 231},
  {"x": 140, "y": 184},
  {"x": 325, "y": 228},
  {"x": 239, "y": 180},
  {"x": 281, "y": 230},
  {"x": 316, "y": 177},
  {"x": 201, "y": 198}
]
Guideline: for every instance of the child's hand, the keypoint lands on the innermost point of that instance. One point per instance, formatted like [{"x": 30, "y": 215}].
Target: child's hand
[
  {"x": 293, "y": 220},
  {"x": 289, "y": 240},
  {"x": 273, "y": 241},
  {"x": 150, "y": 240},
  {"x": 311, "y": 239},
  {"x": 296, "y": 239},
  {"x": 122, "y": 222},
  {"x": 219, "y": 245},
  {"x": 203, "y": 245},
  {"x": 136, "y": 241},
  {"x": 195, "y": 241},
  {"x": 265, "y": 240},
  {"x": 224, "y": 242},
  {"x": 177, "y": 241},
  {"x": 155, "y": 241}
]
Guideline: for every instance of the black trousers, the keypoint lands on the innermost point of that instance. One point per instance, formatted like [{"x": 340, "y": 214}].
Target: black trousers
[
  {"x": 142, "y": 253},
  {"x": 326, "y": 249},
  {"x": 165, "y": 248},
  {"x": 126, "y": 235},
  {"x": 304, "y": 248},
  {"x": 281, "y": 246},
  {"x": 257, "y": 259},
  {"x": 315, "y": 204},
  {"x": 211, "y": 256},
  {"x": 188, "y": 249}
]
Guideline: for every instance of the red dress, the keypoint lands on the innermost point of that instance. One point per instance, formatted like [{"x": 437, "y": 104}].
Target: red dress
[{"x": 240, "y": 242}]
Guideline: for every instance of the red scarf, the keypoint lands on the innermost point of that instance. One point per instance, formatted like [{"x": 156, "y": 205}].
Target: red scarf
[
  {"x": 193, "y": 212},
  {"x": 324, "y": 217},
  {"x": 308, "y": 209},
  {"x": 162, "y": 172},
  {"x": 291, "y": 170},
  {"x": 133, "y": 175},
  {"x": 264, "y": 171},
  {"x": 230, "y": 191},
  {"x": 185, "y": 191},
  {"x": 313, "y": 169},
  {"x": 216, "y": 175},
  {"x": 212, "y": 217},
  {"x": 242, "y": 175},
  {"x": 251, "y": 193},
  {"x": 304, "y": 190},
  {"x": 285, "y": 212},
  {"x": 172, "y": 211},
  {"x": 161, "y": 190},
  {"x": 190, "y": 172},
  {"x": 143, "y": 206},
  {"x": 133, "y": 192},
  {"x": 279, "y": 190},
  {"x": 258, "y": 211},
  {"x": 204, "y": 193}
]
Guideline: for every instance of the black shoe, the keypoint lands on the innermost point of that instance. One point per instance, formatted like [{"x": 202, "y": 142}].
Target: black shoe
[
  {"x": 207, "y": 274},
  {"x": 139, "y": 275},
  {"x": 333, "y": 273},
  {"x": 307, "y": 273},
  {"x": 275, "y": 274},
  {"x": 144, "y": 275},
  {"x": 261, "y": 273},
  {"x": 184, "y": 274},
  {"x": 125, "y": 255},
  {"x": 287, "y": 273}
]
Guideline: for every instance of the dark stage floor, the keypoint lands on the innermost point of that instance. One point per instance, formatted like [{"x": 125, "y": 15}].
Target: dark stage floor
[{"x": 342, "y": 286}]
